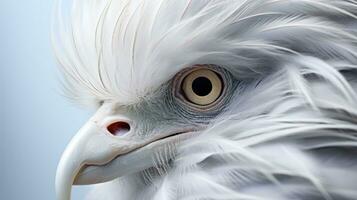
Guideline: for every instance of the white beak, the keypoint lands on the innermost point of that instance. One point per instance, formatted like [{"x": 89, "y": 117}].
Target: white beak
[
  {"x": 91, "y": 146},
  {"x": 96, "y": 156}
]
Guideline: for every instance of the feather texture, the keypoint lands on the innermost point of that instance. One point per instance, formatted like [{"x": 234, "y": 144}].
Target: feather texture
[{"x": 290, "y": 135}]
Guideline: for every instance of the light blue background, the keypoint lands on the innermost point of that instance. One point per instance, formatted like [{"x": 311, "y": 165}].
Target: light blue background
[{"x": 36, "y": 122}]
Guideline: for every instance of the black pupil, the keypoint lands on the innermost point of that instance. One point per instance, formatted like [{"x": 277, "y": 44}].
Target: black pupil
[{"x": 202, "y": 86}]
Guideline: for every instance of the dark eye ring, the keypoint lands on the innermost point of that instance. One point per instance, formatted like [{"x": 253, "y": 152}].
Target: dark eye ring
[{"x": 200, "y": 85}]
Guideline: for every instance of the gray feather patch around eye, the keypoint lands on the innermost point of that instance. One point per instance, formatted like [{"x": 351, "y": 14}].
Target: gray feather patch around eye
[
  {"x": 165, "y": 107},
  {"x": 188, "y": 110}
]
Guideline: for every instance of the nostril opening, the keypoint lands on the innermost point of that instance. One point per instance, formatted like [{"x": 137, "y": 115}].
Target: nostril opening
[{"x": 118, "y": 128}]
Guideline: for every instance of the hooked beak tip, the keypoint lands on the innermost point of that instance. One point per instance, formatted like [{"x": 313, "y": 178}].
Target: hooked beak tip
[{"x": 77, "y": 153}]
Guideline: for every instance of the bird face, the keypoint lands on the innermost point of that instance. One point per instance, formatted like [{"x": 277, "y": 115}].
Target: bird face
[
  {"x": 121, "y": 139},
  {"x": 226, "y": 82}
]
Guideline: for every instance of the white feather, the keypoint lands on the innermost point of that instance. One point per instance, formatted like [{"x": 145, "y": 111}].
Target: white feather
[{"x": 273, "y": 141}]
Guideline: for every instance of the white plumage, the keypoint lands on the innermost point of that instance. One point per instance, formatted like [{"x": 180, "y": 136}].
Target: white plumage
[{"x": 288, "y": 132}]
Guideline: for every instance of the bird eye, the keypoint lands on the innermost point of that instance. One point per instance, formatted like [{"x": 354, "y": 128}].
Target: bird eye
[{"x": 202, "y": 86}]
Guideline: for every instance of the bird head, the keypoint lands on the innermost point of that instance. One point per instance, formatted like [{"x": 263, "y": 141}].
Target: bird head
[
  {"x": 126, "y": 137},
  {"x": 160, "y": 73}
]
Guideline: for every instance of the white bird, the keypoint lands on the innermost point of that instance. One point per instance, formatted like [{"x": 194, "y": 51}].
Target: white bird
[{"x": 211, "y": 99}]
